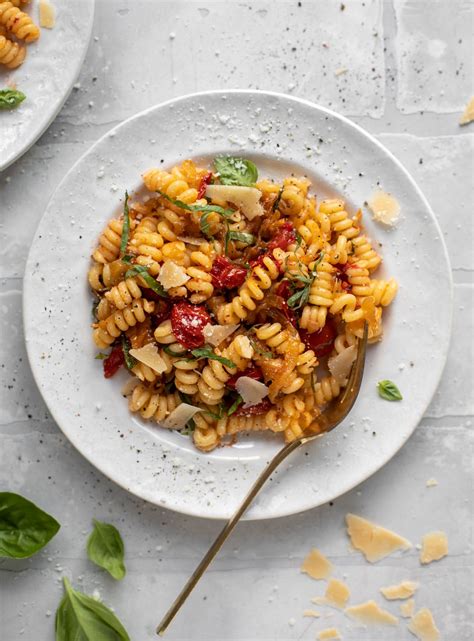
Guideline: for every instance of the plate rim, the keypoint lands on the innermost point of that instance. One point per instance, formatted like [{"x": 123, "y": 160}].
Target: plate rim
[
  {"x": 49, "y": 121},
  {"x": 279, "y": 512}
]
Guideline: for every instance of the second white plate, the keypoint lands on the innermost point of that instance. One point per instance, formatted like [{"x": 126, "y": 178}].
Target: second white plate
[{"x": 281, "y": 135}]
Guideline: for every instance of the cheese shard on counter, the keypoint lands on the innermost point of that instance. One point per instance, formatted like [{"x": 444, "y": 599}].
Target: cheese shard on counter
[
  {"x": 47, "y": 15},
  {"x": 149, "y": 355},
  {"x": 311, "y": 613},
  {"x": 407, "y": 608},
  {"x": 337, "y": 593},
  {"x": 423, "y": 626},
  {"x": 468, "y": 115},
  {"x": 246, "y": 199},
  {"x": 403, "y": 590},
  {"x": 385, "y": 208},
  {"x": 180, "y": 416},
  {"x": 371, "y": 613},
  {"x": 172, "y": 275},
  {"x": 434, "y": 546},
  {"x": 329, "y": 633},
  {"x": 316, "y": 565},
  {"x": 216, "y": 334},
  {"x": 251, "y": 391},
  {"x": 374, "y": 541}
]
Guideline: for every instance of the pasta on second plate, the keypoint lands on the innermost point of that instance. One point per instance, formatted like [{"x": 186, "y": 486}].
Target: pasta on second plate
[{"x": 234, "y": 303}]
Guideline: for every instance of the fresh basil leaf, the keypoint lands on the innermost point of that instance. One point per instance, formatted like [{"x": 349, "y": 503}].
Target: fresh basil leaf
[
  {"x": 79, "y": 617},
  {"x": 185, "y": 398},
  {"x": 140, "y": 270},
  {"x": 100, "y": 356},
  {"x": 236, "y": 171},
  {"x": 259, "y": 350},
  {"x": 204, "y": 225},
  {"x": 389, "y": 391},
  {"x": 24, "y": 527},
  {"x": 127, "y": 259},
  {"x": 235, "y": 406},
  {"x": 214, "y": 415},
  {"x": 10, "y": 98},
  {"x": 125, "y": 226},
  {"x": 276, "y": 204},
  {"x": 204, "y": 208},
  {"x": 206, "y": 352},
  {"x": 241, "y": 237},
  {"x": 130, "y": 362},
  {"x": 105, "y": 549}
]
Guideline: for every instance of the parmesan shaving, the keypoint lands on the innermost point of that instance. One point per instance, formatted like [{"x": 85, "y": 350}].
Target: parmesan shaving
[
  {"x": 374, "y": 541},
  {"x": 385, "y": 208},
  {"x": 180, "y": 416},
  {"x": 251, "y": 391},
  {"x": 190, "y": 240},
  {"x": 431, "y": 483},
  {"x": 149, "y": 355},
  {"x": 337, "y": 593},
  {"x": 316, "y": 565},
  {"x": 434, "y": 546},
  {"x": 311, "y": 613},
  {"x": 340, "y": 365},
  {"x": 329, "y": 633},
  {"x": 247, "y": 199},
  {"x": 468, "y": 115},
  {"x": 47, "y": 15},
  {"x": 423, "y": 626},
  {"x": 172, "y": 275},
  {"x": 215, "y": 334},
  {"x": 407, "y": 608},
  {"x": 403, "y": 590},
  {"x": 370, "y": 612}
]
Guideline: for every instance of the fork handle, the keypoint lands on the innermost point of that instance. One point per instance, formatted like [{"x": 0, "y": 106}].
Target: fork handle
[{"x": 226, "y": 530}]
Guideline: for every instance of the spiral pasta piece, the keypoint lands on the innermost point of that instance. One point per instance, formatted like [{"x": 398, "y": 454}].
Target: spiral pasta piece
[
  {"x": 358, "y": 278},
  {"x": 120, "y": 320},
  {"x": 109, "y": 242},
  {"x": 12, "y": 54},
  {"x": 18, "y": 23},
  {"x": 383, "y": 291},
  {"x": 326, "y": 390},
  {"x": 151, "y": 404},
  {"x": 339, "y": 218},
  {"x": 173, "y": 184},
  {"x": 363, "y": 251},
  {"x": 252, "y": 290},
  {"x": 124, "y": 293},
  {"x": 321, "y": 296}
]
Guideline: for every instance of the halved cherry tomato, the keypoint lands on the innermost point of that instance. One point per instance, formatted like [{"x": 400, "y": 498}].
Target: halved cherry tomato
[
  {"x": 205, "y": 180},
  {"x": 114, "y": 361},
  {"x": 284, "y": 291},
  {"x": 322, "y": 341},
  {"x": 254, "y": 410},
  {"x": 187, "y": 322},
  {"x": 251, "y": 372},
  {"x": 284, "y": 237},
  {"x": 226, "y": 274}
]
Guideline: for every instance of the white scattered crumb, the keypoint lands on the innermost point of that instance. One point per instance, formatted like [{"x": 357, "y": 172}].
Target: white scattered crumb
[
  {"x": 401, "y": 366},
  {"x": 340, "y": 71},
  {"x": 96, "y": 595},
  {"x": 431, "y": 482},
  {"x": 48, "y": 613},
  {"x": 291, "y": 622}
]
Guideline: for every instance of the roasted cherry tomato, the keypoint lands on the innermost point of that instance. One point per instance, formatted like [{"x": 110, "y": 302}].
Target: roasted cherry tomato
[
  {"x": 187, "y": 322},
  {"x": 251, "y": 372},
  {"x": 284, "y": 291},
  {"x": 254, "y": 410},
  {"x": 321, "y": 342},
  {"x": 284, "y": 237},
  {"x": 227, "y": 275},
  {"x": 114, "y": 361},
  {"x": 341, "y": 275},
  {"x": 205, "y": 180}
]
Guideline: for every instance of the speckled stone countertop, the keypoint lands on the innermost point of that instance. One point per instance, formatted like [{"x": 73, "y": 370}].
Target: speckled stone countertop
[{"x": 403, "y": 70}]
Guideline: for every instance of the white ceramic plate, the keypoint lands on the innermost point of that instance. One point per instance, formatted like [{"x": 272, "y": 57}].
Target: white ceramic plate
[
  {"x": 46, "y": 77},
  {"x": 281, "y": 135}
]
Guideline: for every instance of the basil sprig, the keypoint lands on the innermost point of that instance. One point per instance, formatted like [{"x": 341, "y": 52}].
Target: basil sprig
[
  {"x": 105, "y": 549},
  {"x": 100, "y": 356},
  {"x": 79, "y": 617},
  {"x": 218, "y": 416},
  {"x": 241, "y": 237},
  {"x": 236, "y": 171},
  {"x": 206, "y": 352},
  {"x": 141, "y": 270},
  {"x": 276, "y": 204},
  {"x": 235, "y": 406},
  {"x": 11, "y": 98},
  {"x": 130, "y": 362},
  {"x": 125, "y": 226},
  {"x": 389, "y": 391},
  {"x": 301, "y": 296},
  {"x": 24, "y": 527}
]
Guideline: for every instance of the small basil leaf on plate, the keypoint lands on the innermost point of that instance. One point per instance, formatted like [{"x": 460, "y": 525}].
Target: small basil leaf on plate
[
  {"x": 389, "y": 391},
  {"x": 105, "y": 549},
  {"x": 236, "y": 171},
  {"x": 24, "y": 527},
  {"x": 79, "y": 617},
  {"x": 10, "y": 98}
]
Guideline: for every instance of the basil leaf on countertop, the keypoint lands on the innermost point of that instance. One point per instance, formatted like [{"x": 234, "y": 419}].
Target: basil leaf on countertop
[
  {"x": 389, "y": 391},
  {"x": 79, "y": 617},
  {"x": 24, "y": 527},
  {"x": 236, "y": 171},
  {"x": 105, "y": 549}
]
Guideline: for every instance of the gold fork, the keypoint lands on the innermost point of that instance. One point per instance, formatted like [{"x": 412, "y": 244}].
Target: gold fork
[{"x": 326, "y": 422}]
